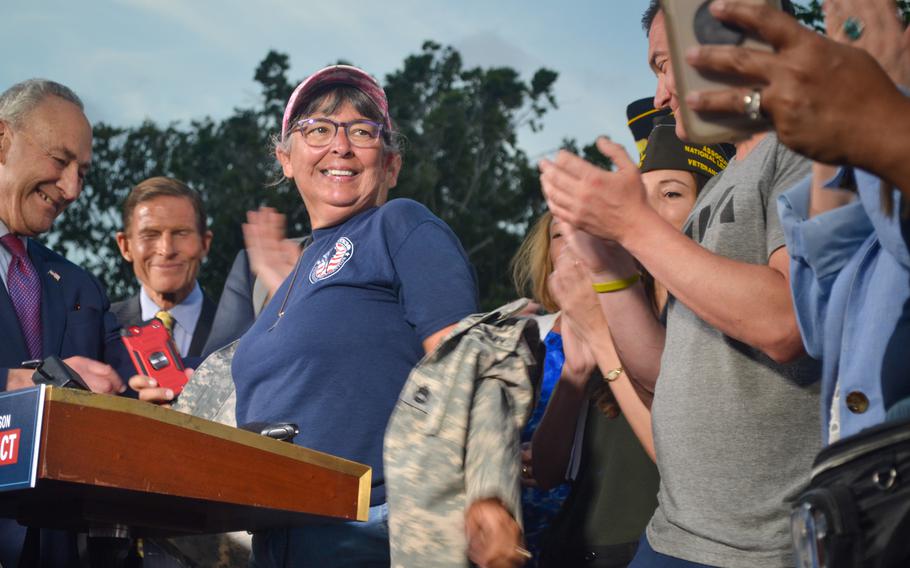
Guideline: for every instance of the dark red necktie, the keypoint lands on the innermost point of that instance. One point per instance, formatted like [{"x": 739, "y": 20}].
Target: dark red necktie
[{"x": 24, "y": 288}]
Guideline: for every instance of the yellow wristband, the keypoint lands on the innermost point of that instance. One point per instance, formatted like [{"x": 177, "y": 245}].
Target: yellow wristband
[{"x": 615, "y": 285}]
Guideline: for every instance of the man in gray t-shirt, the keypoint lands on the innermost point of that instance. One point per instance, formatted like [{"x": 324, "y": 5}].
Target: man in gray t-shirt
[
  {"x": 735, "y": 415},
  {"x": 735, "y": 432}
]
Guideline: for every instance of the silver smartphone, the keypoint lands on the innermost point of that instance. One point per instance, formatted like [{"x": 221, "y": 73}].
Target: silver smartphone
[{"x": 689, "y": 24}]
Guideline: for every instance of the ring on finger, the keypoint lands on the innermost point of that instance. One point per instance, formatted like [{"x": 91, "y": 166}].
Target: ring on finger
[
  {"x": 752, "y": 105},
  {"x": 853, "y": 28}
]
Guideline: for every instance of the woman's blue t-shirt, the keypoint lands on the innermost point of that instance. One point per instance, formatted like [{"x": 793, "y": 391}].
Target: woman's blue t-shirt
[{"x": 365, "y": 296}]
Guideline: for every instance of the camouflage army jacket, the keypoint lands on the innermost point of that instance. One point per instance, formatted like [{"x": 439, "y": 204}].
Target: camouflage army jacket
[{"x": 453, "y": 437}]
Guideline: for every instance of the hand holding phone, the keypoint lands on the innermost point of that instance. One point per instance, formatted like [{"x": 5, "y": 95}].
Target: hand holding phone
[
  {"x": 691, "y": 24},
  {"x": 155, "y": 354}
]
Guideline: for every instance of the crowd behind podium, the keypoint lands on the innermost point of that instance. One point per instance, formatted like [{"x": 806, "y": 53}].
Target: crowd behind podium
[{"x": 711, "y": 327}]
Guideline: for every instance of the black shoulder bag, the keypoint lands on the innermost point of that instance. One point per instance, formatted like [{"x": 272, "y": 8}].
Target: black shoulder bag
[{"x": 855, "y": 510}]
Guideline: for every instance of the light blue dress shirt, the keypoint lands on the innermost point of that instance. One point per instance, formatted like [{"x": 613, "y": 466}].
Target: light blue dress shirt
[
  {"x": 185, "y": 314},
  {"x": 850, "y": 278}
]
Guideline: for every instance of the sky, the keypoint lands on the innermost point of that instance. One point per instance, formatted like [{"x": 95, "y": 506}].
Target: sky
[{"x": 176, "y": 60}]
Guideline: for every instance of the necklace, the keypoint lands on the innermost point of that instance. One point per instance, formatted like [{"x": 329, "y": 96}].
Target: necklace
[{"x": 287, "y": 293}]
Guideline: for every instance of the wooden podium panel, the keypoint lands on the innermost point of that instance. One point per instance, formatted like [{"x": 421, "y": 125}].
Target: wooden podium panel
[{"x": 107, "y": 460}]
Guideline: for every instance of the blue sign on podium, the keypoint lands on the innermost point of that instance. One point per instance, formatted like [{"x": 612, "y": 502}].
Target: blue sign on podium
[{"x": 20, "y": 431}]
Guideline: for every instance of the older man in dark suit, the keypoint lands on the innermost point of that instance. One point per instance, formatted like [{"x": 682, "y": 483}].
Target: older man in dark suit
[
  {"x": 48, "y": 305},
  {"x": 165, "y": 239}
]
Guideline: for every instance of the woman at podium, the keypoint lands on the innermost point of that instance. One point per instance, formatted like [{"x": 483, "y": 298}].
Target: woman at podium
[{"x": 379, "y": 287}]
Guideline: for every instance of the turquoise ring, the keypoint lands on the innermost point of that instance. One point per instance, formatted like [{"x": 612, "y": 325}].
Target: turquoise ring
[{"x": 853, "y": 27}]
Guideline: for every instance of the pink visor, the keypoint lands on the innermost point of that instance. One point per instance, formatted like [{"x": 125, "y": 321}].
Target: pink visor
[{"x": 341, "y": 75}]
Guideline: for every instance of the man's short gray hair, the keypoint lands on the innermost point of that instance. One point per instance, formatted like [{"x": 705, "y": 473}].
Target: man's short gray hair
[{"x": 22, "y": 98}]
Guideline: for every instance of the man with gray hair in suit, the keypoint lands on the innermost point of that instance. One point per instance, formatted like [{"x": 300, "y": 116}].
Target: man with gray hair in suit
[{"x": 48, "y": 305}]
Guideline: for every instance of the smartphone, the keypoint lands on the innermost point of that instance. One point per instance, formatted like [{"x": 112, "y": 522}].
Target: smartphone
[
  {"x": 690, "y": 24},
  {"x": 155, "y": 354}
]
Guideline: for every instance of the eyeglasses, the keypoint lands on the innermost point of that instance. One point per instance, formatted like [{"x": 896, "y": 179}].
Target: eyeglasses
[
  {"x": 319, "y": 132},
  {"x": 62, "y": 160}
]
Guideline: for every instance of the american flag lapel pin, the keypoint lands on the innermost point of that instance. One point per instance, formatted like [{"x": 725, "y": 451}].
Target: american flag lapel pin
[{"x": 54, "y": 275}]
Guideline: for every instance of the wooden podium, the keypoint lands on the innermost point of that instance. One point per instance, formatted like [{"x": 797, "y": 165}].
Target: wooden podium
[{"x": 110, "y": 461}]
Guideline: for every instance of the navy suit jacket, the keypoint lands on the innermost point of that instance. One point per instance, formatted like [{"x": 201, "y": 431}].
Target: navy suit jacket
[
  {"x": 75, "y": 317},
  {"x": 76, "y": 320},
  {"x": 235, "y": 313}
]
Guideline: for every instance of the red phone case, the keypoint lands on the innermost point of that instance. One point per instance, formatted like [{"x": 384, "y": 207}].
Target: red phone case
[{"x": 154, "y": 354}]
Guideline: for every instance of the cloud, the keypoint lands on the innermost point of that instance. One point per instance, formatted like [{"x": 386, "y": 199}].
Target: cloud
[
  {"x": 489, "y": 49},
  {"x": 201, "y": 18},
  {"x": 181, "y": 59}
]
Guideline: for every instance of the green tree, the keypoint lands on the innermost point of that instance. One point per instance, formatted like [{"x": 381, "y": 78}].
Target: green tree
[
  {"x": 228, "y": 161},
  {"x": 589, "y": 153},
  {"x": 461, "y": 156},
  {"x": 461, "y": 160},
  {"x": 811, "y": 14}
]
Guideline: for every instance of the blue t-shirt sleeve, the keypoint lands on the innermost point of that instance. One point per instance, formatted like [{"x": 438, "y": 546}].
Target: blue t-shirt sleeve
[
  {"x": 437, "y": 285},
  {"x": 114, "y": 351}
]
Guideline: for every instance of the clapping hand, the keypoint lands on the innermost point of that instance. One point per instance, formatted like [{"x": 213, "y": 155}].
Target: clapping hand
[
  {"x": 272, "y": 256},
  {"x": 605, "y": 204},
  {"x": 876, "y": 27}
]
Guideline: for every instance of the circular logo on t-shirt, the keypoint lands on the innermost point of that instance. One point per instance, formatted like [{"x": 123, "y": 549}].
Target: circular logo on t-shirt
[{"x": 331, "y": 262}]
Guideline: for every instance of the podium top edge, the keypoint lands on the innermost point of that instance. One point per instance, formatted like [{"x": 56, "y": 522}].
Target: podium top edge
[{"x": 113, "y": 403}]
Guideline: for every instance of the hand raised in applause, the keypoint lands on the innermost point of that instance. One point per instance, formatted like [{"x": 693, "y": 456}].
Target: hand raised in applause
[
  {"x": 583, "y": 319},
  {"x": 603, "y": 257},
  {"x": 602, "y": 203},
  {"x": 883, "y": 34},
  {"x": 272, "y": 256},
  {"x": 579, "y": 358}
]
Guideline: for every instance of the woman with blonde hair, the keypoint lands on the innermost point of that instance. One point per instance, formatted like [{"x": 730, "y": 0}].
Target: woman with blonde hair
[
  {"x": 576, "y": 403},
  {"x": 602, "y": 421}
]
